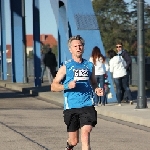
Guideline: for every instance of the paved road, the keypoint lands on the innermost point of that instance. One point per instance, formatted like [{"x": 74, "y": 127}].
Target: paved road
[{"x": 30, "y": 123}]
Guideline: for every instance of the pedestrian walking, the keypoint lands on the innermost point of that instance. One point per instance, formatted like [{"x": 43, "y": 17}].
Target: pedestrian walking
[
  {"x": 117, "y": 66},
  {"x": 101, "y": 68},
  {"x": 43, "y": 67},
  {"x": 77, "y": 78},
  {"x": 51, "y": 64},
  {"x": 122, "y": 52}
]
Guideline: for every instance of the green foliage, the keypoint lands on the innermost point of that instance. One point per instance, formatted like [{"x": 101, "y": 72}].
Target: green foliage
[
  {"x": 45, "y": 48},
  {"x": 55, "y": 51},
  {"x": 30, "y": 54},
  {"x": 117, "y": 22}
]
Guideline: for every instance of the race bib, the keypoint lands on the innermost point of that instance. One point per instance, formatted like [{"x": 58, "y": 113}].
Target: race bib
[{"x": 81, "y": 74}]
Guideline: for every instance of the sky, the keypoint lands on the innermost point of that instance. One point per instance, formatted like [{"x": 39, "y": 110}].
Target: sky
[{"x": 47, "y": 20}]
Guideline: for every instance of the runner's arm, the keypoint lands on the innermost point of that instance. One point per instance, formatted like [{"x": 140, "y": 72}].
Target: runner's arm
[
  {"x": 98, "y": 90},
  {"x": 56, "y": 86},
  {"x": 93, "y": 79}
]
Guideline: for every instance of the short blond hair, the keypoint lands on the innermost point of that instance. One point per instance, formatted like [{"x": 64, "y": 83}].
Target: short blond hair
[{"x": 78, "y": 37}]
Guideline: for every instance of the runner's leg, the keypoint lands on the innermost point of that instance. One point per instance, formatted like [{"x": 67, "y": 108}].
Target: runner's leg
[{"x": 85, "y": 137}]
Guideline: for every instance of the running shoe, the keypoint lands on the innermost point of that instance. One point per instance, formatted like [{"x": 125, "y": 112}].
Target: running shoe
[{"x": 68, "y": 148}]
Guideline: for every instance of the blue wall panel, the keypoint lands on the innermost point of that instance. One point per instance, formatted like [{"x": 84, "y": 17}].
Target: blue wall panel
[
  {"x": 82, "y": 21},
  {"x": 17, "y": 37},
  {"x": 63, "y": 30}
]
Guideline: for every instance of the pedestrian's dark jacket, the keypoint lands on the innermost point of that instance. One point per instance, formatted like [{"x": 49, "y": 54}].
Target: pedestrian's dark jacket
[
  {"x": 127, "y": 58},
  {"x": 50, "y": 60},
  {"x": 42, "y": 58}
]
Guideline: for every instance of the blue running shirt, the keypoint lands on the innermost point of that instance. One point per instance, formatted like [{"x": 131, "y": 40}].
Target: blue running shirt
[{"x": 81, "y": 95}]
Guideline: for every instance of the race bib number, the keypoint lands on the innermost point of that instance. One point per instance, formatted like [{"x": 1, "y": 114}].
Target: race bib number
[{"x": 81, "y": 74}]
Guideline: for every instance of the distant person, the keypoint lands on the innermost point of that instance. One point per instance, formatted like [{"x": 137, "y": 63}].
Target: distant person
[
  {"x": 101, "y": 68},
  {"x": 117, "y": 66},
  {"x": 122, "y": 52},
  {"x": 43, "y": 67},
  {"x": 76, "y": 78},
  {"x": 51, "y": 64}
]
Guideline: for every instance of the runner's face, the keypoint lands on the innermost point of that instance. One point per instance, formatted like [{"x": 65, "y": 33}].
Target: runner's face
[{"x": 76, "y": 48}]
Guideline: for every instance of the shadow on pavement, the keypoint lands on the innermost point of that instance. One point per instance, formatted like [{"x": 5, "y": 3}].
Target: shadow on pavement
[
  {"x": 14, "y": 95},
  {"x": 45, "y": 88},
  {"x": 25, "y": 92}
]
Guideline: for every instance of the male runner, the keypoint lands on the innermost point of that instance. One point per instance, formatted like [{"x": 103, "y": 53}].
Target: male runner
[{"x": 77, "y": 77}]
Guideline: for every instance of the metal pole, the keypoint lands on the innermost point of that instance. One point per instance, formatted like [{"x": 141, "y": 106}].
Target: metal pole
[
  {"x": 24, "y": 42},
  {"x": 141, "y": 99},
  {"x": 3, "y": 59},
  {"x": 1, "y": 66},
  {"x": 36, "y": 39}
]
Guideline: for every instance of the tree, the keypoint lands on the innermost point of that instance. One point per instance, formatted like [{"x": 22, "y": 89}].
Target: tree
[
  {"x": 113, "y": 20},
  {"x": 117, "y": 21},
  {"x": 45, "y": 48},
  {"x": 55, "y": 50},
  {"x": 147, "y": 29},
  {"x": 133, "y": 14}
]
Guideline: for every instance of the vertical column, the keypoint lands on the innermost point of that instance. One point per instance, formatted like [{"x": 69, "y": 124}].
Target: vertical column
[
  {"x": 3, "y": 61},
  {"x": 141, "y": 99},
  {"x": 59, "y": 51},
  {"x": 36, "y": 38},
  {"x": 17, "y": 37},
  {"x": 63, "y": 32},
  {"x": 24, "y": 42}
]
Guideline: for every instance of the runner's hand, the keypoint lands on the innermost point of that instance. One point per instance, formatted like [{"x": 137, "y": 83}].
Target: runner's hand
[
  {"x": 72, "y": 84},
  {"x": 99, "y": 91}
]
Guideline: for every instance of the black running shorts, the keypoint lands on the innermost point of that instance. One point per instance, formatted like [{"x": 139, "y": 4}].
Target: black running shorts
[{"x": 78, "y": 117}]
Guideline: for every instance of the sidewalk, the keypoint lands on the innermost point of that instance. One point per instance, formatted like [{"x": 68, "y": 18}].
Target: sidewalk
[{"x": 126, "y": 112}]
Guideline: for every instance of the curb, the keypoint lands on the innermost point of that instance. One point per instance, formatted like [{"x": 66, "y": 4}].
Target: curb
[
  {"x": 19, "y": 88},
  {"x": 124, "y": 117}
]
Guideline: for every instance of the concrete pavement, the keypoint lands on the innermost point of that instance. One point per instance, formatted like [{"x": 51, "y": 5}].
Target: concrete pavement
[{"x": 126, "y": 112}]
